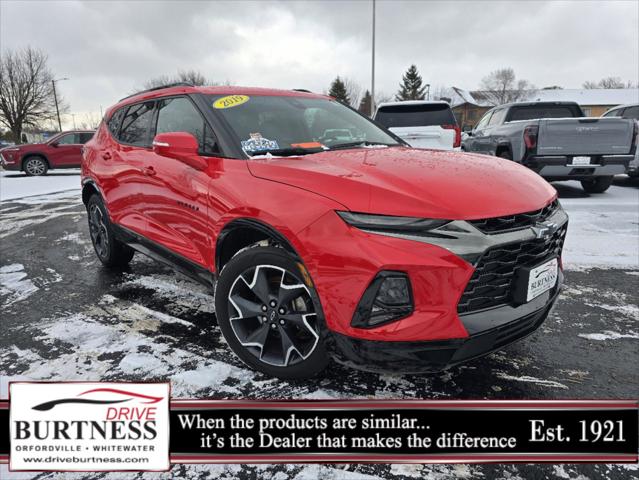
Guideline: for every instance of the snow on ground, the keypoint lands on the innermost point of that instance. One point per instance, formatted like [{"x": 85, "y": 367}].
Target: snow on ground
[
  {"x": 17, "y": 184},
  {"x": 603, "y": 228}
]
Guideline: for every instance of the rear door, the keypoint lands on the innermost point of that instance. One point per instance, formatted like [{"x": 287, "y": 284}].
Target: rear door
[
  {"x": 174, "y": 194},
  {"x": 427, "y": 125},
  {"x": 122, "y": 164}
]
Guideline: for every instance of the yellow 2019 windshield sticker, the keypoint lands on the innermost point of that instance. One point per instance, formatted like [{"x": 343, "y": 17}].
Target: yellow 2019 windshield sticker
[{"x": 230, "y": 101}]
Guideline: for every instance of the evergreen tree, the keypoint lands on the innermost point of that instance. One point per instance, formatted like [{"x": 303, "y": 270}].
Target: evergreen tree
[
  {"x": 338, "y": 91},
  {"x": 365, "y": 104},
  {"x": 411, "y": 87}
]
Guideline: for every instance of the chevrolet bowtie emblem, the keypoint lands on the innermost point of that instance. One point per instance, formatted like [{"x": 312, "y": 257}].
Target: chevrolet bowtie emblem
[{"x": 544, "y": 230}]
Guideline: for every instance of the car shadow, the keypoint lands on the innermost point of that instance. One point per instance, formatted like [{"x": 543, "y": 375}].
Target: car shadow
[
  {"x": 567, "y": 190},
  {"x": 626, "y": 181},
  {"x": 50, "y": 174}
]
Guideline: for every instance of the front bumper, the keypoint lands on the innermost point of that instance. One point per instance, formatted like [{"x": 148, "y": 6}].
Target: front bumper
[
  {"x": 9, "y": 162},
  {"x": 488, "y": 331},
  {"x": 560, "y": 167}
]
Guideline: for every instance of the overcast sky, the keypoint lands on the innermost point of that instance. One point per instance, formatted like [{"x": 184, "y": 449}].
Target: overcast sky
[{"x": 109, "y": 48}]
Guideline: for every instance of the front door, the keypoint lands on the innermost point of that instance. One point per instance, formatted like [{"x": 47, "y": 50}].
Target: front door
[
  {"x": 174, "y": 194},
  {"x": 66, "y": 151}
]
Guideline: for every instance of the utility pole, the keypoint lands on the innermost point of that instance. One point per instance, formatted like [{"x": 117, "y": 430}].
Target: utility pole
[
  {"x": 55, "y": 98},
  {"x": 373, "y": 67}
]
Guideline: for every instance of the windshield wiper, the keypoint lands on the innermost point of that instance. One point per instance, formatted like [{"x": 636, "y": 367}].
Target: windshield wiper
[
  {"x": 361, "y": 143},
  {"x": 285, "y": 152}
]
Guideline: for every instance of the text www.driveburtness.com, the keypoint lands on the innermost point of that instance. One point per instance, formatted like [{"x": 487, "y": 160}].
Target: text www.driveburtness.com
[{"x": 83, "y": 459}]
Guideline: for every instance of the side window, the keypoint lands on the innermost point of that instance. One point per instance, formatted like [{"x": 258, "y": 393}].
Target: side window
[
  {"x": 614, "y": 113},
  {"x": 178, "y": 114},
  {"x": 115, "y": 121},
  {"x": 70, "y": 139},
  {"x": 135, "y": 125},
  {"x": 631, "y": 112},
  {"x": 484, "y": 121},
  {"x": 498, "y": 117},
  {"x": 85, "y": 137}
]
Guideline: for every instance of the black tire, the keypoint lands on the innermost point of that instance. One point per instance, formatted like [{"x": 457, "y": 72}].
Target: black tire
[
  {"x": 110, "y": 251},
  {"x": 278, "y": 330},
  {"x": 35, "y": 166},
  {"x": 597, "y": 184},
  {"x": 505, "y": 154}
]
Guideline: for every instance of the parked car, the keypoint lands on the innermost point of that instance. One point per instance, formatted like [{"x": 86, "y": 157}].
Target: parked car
[
  {"x": 555, "y": 140},
  {"x": 422, "y": 124},
  {"x": 326, "y": 234},
  {"x": 61, "y": 151},
  {"x": 628, "y": 111}
]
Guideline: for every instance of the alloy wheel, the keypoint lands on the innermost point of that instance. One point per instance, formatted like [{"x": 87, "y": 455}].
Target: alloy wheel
[
  {"x": 98, "y": 231},
  {"x": 35, "y": 166},
  {"x": 273, "y": 316}
]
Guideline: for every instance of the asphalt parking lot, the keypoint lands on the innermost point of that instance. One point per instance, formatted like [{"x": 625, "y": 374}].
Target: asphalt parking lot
[{"x": 64, "y": 317}]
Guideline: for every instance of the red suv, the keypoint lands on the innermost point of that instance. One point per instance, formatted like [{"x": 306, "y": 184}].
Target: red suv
[
  {"x": 325, "y": 234},
  {"x": 61, "y": 151}
]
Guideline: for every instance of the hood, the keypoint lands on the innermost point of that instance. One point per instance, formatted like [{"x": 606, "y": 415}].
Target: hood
[
  {"x": 411, "y": 182},
  {"x": 24, "y": 147}
]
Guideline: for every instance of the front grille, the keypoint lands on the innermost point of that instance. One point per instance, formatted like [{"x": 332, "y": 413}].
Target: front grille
[
  {"x": 515, "y": 222},
  {"x": 492, "y": 282}
]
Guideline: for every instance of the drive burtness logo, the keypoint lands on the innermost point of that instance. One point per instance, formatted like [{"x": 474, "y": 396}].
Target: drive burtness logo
[{"x": 89, "y": 426}]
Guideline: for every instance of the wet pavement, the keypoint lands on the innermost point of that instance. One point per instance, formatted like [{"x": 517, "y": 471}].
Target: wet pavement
[{"x": 65, "y": 317}]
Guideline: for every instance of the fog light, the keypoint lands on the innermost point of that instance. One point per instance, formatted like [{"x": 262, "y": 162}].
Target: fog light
[{"x": 388, "y": 298}]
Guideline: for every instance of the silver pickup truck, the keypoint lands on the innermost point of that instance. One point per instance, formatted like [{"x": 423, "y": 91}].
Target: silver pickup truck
[{"x": 555, "y": 140}]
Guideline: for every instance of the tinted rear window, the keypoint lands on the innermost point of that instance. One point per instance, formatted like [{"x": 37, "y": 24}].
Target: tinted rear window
[
  {"x": 543, "y": 111},
  {"x": 631, "y": 112},
  {"x": 415, "y": 115}
]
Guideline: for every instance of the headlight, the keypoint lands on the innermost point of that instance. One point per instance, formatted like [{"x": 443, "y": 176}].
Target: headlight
[{"x": 386, "y": 223}]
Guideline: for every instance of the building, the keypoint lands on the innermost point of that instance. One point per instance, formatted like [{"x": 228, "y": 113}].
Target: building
[{"x": 469, "y": 107}]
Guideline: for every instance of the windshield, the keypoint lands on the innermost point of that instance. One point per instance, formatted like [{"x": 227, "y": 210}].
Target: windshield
[
  {"x": 295, "y": 125},
  {"x": 415, "y": 115}
]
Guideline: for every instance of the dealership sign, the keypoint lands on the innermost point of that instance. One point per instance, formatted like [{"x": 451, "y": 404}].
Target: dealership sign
[{"x": 89, "y": 426}]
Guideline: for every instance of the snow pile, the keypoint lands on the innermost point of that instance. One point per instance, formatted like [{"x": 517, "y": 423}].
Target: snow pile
[{"x": 17, "y": 185}]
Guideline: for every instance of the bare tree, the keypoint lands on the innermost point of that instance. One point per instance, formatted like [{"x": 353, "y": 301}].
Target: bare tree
[
  {"x": 26, "y": 90},
  {"x": 501, "y": 86},
  {"x": 90, "y": 121},
  {"x": 193, "y": 77},
  {"x": 354, "y": 91},
  {"x": 609, "y": 82}
]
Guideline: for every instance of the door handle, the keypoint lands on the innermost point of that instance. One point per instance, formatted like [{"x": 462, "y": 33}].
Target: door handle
[
  {"x": 150, "y": 171},
  {"x": 106, "y": 156}
]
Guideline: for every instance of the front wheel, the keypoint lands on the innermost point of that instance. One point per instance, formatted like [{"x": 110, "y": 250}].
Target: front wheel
[
  {"x": 35, "y": 166},
  {"x": 269, "y": 314},
  {"x": 597, "y": 184}
]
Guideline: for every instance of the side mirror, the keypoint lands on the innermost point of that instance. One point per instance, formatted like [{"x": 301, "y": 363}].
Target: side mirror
[
  {"x": 468, "y": 130},
  {"x": 181, "y": 146},
  {"x": 54, "y": 144}
]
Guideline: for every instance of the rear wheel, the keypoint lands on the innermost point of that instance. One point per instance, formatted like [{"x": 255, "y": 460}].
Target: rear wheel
[
  {"x": 110, "y": 251},
  {"x": 35, "y": 166},
  {"x": 269, "y": 314},
  {"x": 505, "y": 154},
  {"x": 597, "y": 184}
]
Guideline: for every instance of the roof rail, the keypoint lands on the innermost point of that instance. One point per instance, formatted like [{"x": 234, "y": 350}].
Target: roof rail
[
  {"x": 168, "y": 85},
  {"x": 301, "y": 90}
]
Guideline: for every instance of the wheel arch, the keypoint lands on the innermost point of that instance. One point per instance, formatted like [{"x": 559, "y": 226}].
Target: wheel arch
[
  {"x": 504, "y": 147},
  {"x": 244, "y": 232},
  {"x": 28, "y": 155},
  {"x": 89, "y": 187}
]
